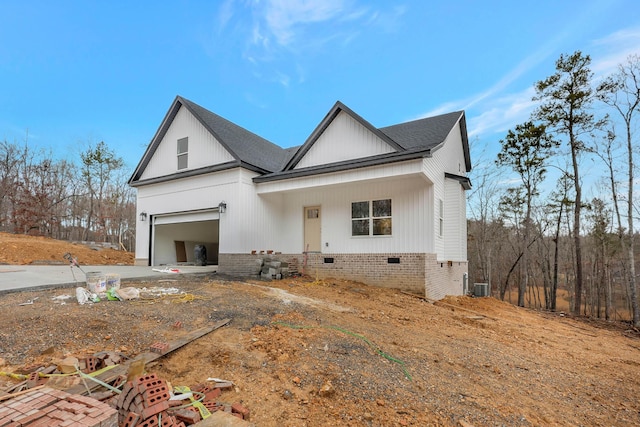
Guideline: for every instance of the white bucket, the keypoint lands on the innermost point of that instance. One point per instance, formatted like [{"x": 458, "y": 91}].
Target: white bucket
[
  {"x": 113, "y": 280},
  {"x": 96, "y": 282}
]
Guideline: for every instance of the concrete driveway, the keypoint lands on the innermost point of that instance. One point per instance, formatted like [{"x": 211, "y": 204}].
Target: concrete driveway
[{"x": 14, "y": 278}]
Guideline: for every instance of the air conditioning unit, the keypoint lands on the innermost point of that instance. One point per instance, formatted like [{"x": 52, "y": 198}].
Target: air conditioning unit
[{"x": 481, "y": 289}]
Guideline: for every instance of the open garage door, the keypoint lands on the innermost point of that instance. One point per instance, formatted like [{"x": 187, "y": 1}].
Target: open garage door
[{"x": 180, "y": 238}]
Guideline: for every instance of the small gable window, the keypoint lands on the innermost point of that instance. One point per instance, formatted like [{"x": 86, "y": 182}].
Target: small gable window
[
  {"x": 371, "y": 218},
  {"x": 183, "y": 153}
]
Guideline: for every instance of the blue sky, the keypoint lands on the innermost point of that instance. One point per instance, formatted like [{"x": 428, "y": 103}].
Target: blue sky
[{"x": 78, "y": 72}]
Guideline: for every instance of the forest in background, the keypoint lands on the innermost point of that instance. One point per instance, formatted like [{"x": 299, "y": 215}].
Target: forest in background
[
  {"x": 87, "y": 200},
  {"x": 551, "y": 218}
]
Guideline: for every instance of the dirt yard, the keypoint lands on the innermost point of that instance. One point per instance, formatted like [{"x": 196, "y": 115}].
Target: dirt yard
[
  {"x": 19, "y": 249},
  {"x": 326, "y": 353}
]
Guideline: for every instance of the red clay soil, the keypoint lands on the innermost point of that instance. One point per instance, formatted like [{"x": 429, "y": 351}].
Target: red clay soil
[
  {"x": 20, "y": 249},
  {"x": 325, "y": 353}
]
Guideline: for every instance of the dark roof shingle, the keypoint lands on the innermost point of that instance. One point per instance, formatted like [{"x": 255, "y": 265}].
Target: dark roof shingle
[
  {"x": 425, "y": 133},
  {"x": 245, "y": 146},
  {"x": 272, "y": 161}
]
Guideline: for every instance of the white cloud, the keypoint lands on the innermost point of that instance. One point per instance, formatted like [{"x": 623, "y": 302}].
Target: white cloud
[
  {"x": 225, "y": 13},
  {"x": 502, "y": 113},
  {"x": 499, "y": 111},
  {"x": 614, "y": 49},
  {"x": 287, "y": 34},
  {"x": 284, "y": 17}
]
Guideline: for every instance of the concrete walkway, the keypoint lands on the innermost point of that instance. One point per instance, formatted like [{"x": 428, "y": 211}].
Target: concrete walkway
[{"x": 15, "y": 278}]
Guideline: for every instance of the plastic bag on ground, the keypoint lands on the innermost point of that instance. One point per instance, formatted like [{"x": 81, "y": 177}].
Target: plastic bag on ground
[
  {"x": 83, "y": 295},
  {"x": 128, "y": 293}
]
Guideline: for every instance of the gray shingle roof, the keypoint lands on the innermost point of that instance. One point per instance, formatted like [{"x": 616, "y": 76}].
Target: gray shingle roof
[
  {"x": 418, "y": 137},
  {"x": 245, "y": 146},
  {"x": 425, "y": 133}
]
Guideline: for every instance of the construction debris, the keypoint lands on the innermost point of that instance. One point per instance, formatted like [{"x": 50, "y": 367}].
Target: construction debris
[
  {"x": 271, "y": 269},
  {"x": 50, "y": 407},
  {"x": 55, "y": 395}
]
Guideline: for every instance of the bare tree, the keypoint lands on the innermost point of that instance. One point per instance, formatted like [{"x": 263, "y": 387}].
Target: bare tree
[
  {"x": 526, "y": 150},
  {"x": 566, "y": 99},
  {"x": 99, "y": 163},
  {"x": 621, "y": 91}
]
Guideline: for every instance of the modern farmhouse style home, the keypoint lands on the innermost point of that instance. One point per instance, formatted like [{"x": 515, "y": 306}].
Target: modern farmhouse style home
[{"x": 385, "y": 206}]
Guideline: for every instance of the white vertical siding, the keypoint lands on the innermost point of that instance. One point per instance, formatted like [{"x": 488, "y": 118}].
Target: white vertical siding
[
  {"x": 204, "y": 149},
  {"x": 410, "y": 232},
  {"x": 354, "y": 176},
  {"x": 448, "y": 158},
  {"x": 344, "y": 139},
  {"x": 250, "y": 222},
  {"x": 455, "y": 223},
  {"x": 184, "y": 195}
]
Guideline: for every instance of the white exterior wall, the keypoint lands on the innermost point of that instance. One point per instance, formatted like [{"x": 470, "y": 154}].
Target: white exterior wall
[
  {"x": 455, "y": 222},
  {"x": 410, "y": 232},
  {"x": 344, "y": 139},
  {"x": 250, "y": 222},
  {"x": 183, "y": 195},
  {"x": 204, "y": 149},
  {"x": 353, "y": 176},
  {"x": 448, "y": 158}
]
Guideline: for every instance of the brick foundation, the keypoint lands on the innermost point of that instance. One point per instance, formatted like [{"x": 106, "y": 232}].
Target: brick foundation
[{"x": 413, "y": 272}]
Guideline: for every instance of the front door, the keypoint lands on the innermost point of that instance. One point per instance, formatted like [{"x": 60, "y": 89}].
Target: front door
[{"x": 312, "y": 229}]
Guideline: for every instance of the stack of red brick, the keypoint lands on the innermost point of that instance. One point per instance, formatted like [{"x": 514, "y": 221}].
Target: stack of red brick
[{"x": 47, "y": 407}]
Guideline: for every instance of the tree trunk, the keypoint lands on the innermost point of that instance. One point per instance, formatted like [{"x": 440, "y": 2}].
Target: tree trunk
[
  {"x": 632, "y": 262},
  {"x": 576, "y": 227}
]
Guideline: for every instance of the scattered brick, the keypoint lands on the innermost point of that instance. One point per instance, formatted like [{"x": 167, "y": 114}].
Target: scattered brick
[
  {"x": 213, "y": 394},
  {"x": 159, "y": 347},
  {"x": 32, "y": 380},
  {"x": 187, "y": 416},
  {"x": 240, "y": 409},
  {"x": 153, "y": 410},
  {"x": 131, "y": 420}
]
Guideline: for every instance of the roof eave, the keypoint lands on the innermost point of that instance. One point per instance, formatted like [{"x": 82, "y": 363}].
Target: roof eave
[
  {"x": 157, "y": 137},
  {"x": 463, "y": 180},
  {"x": 345, "y": 165},
  {"x": 188, "y": 173}
]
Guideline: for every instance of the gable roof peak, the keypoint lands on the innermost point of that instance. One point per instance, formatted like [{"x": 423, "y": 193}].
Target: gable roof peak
[{"x": 328, "y": 119}]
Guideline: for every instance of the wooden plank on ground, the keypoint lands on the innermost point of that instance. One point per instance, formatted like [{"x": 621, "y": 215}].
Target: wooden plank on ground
[{"x": 122, "y": 369}]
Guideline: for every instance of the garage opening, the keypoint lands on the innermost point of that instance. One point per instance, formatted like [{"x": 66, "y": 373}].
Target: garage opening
[{"x": 183, "y": 239}]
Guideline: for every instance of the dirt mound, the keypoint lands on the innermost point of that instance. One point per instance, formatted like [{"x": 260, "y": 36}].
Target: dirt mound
[{"x": 20, "y": 249}]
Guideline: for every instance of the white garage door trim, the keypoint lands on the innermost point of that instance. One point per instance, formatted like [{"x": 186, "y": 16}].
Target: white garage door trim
[{"x": 186, "y": 217}]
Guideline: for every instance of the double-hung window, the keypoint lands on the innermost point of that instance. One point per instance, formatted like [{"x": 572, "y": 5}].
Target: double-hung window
[
  {"x": 371, "y": 218},
  {"x": 183, "y": 153}
]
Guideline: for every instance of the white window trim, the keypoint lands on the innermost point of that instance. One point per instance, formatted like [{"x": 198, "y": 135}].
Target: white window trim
[
  {"x": 371, "y": 218},
  {"x": 182, "y": 155}
]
